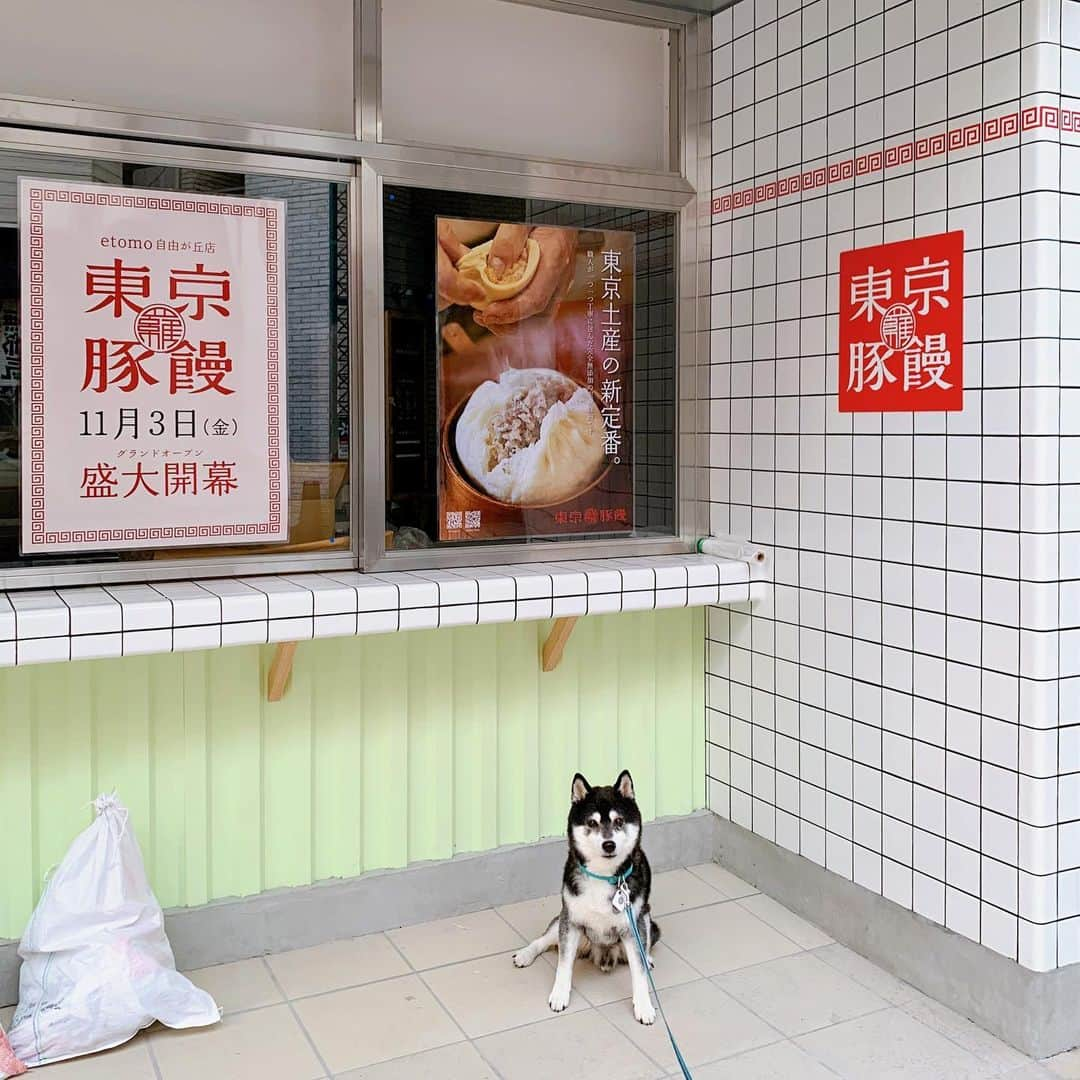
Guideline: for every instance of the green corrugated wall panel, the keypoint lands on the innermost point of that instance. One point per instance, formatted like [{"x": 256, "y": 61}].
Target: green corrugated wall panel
[
  {"x": 386, "y": 750},
  {"x": 476, "y": 740},
  {"x": 517, "y": 682}
]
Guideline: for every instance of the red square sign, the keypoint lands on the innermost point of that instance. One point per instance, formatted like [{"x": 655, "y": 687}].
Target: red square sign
[{"x": 902, "y": 326}]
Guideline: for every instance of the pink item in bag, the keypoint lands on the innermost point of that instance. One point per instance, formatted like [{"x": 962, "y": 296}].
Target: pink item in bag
[{"x": 10, "y": 1065}]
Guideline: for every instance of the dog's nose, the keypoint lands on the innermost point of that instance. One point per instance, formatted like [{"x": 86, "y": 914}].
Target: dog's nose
[{"x": 609, "y": 847}]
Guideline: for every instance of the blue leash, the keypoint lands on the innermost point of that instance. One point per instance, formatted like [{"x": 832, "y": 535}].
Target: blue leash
[{"x": 619, "y": 881}]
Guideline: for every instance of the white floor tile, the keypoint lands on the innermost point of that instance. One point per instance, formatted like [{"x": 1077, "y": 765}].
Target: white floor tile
[
  {"x": 1065, "y": 1065},
  {"x": 128, "y": 1062},
  {"x": 236, "y": 987},
  {"x": 787, "y": 922},
  {"x": 374, "y": 1023},
  {"x": 891, "y": 1045},
  {"x": 531, "y": 918},
  {"x": 986, "y": 1047},
  {"x": 490, "y": 995},
  {"x": 707, "y": 1023},
  {"x": 781, "y": 1061},
  {"x": 450, "y": 941},
  {"x": 459, "y": 1062},
  {"x": 798, "y": 994},
  {"x": 885, "y": 985},
  {"x": 583, "y": 1044},
  {"x": 267, "y": 1043},
  {"x": 678, "y": 890},
  {"x": 723, "y": 938},
  {"x": 337, "y": 965},
  {"x": 723, "y": 881}
]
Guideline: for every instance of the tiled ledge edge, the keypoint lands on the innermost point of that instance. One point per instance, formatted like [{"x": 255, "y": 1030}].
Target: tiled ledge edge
[{"x": 96, "y": 622}]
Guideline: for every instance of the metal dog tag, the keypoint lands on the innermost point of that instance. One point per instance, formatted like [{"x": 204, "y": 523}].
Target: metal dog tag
[{"x": 621, "y": 898}]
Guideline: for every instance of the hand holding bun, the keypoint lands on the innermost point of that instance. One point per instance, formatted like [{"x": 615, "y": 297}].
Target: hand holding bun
[
  {"x": 480, "y": 266},
  {"x": 533, "y": 438}
]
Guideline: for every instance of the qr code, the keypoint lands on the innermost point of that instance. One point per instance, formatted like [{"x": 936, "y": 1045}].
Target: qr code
[
  {"x": 453, "y": 519},
  {"x": 472, "y": 519}
]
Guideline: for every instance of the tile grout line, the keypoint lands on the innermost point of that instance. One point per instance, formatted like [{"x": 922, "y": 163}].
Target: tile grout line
[
  {"x": 438, "y": 1000},
  {"x": 470, "y": 1038},
  {"x": 474, "y": 1043},
  {"x": 153, "y": 1057},
  {"x": 397, "y": 948},
  {"x": 950, "y": 1036},
  {"x": 524, "y": 937},
  {"x": 645, "y": 1053},
  {"x": 777, "y": 929},
  {"x": 904, "y": 1006},
  {"x": 327, "y": 1072},
  {"x": 865, "y": 986}
]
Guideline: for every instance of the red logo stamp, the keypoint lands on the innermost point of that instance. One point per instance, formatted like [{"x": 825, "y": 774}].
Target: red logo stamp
[
  {"x": 159, "y": 328},
  {"x": 902, "y": 326}
]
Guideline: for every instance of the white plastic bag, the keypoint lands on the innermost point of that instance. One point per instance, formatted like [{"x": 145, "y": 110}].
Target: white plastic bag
[{"x": 97, "y": 966}]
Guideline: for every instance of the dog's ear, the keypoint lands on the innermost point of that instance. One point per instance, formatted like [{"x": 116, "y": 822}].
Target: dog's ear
[
  {"x": 579, "y": 788},
  {"x": 624, "y": 786}
]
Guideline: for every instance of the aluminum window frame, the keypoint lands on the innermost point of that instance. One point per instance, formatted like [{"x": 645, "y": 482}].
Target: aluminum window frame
[
  {"x": 685, "y": 191},
  {"x": 448, "y": 177},
  {"x": 365, "y": 141},
  {"x": 365, "y": 162},
  {"x": 230, "y": 563}
]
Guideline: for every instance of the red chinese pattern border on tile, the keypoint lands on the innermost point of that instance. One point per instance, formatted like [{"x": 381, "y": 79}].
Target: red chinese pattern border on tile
[
  {"x": 961, "y": 138},
  {"x": 269, "y": 214}
]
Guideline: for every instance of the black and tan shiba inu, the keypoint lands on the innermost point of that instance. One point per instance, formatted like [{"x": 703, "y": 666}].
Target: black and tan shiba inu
[{"x": 606, "y": 874}]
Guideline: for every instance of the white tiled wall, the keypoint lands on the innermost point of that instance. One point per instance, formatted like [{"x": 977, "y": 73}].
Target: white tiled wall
[{"x": 905, "y": 710}]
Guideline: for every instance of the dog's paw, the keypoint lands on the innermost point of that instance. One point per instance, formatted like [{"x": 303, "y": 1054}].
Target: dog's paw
[
  {"x": 652, "y": 964},
  {"x": 524, "y": 957},
  {"x": 645, "y": 1012},
  {"x": 559, "y": 999}
]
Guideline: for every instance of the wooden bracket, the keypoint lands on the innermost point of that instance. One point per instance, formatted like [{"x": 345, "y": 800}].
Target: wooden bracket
[
  {"x": 280, "y": 670},
  {"x": 556, "y": 642}
]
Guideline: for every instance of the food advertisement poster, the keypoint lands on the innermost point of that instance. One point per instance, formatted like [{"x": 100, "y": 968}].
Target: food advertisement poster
[
  {"x": 536, "y": 339},
  {"x": 153, "y": 368}
]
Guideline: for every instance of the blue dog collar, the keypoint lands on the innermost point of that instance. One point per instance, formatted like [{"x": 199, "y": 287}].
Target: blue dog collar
[{"x": 616, "y": 879}]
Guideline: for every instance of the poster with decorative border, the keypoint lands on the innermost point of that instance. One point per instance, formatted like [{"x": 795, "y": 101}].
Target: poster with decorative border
[
  {"x": 153, "y": 375},
  {"x": 536, "y": 378}
]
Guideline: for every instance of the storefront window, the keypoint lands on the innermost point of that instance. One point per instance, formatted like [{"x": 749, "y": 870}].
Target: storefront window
[
  {"x": 317, "y": 351},
  {"x": 530, "y": 369}
]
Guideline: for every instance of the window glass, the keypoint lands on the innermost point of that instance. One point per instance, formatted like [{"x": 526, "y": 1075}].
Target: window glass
[
  {"x": 558, "y": 84},
  {"x": 533, "y": 400},
  {"x": 317, "y": 356},
  {"x": 246, "y": 61}
]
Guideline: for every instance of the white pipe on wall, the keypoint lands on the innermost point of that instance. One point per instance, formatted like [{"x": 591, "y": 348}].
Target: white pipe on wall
[{"x": 728, "y": 547}]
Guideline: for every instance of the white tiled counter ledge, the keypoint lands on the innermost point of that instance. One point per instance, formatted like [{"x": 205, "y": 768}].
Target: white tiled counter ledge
[{"x": 85, "y": 623}]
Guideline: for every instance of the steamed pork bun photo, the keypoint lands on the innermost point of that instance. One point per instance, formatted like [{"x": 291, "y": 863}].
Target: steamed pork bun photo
[
  {"x": 473, "y": 266},
  {"x": 533, "y": 438}
]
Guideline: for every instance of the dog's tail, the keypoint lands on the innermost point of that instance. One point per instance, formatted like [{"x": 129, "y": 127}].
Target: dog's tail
[{"x": 655, "y": 935}]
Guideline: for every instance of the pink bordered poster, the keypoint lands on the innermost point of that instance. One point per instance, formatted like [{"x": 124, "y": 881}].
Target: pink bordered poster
[{"x": 153, "y": 390}]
